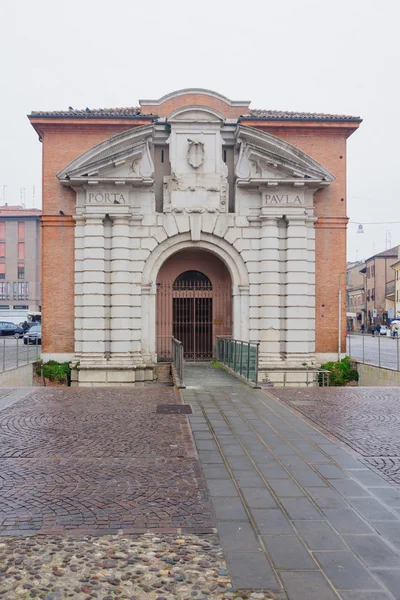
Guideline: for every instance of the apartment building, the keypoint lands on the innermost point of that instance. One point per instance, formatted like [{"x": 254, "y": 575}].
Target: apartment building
[
  {"x": 396, "y": 269},
  {"x": 380, "y": 287},
  {"x": 355, "y": 295},
  {"x": 20, "y": 287}
]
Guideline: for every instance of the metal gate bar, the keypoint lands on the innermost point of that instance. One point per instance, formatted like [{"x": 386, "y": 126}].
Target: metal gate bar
[{"x": 194, "y": 312}]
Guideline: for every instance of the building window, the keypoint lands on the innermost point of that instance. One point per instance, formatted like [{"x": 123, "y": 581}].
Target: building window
[
  {"x": 373, "y": 271},
  {"x": 21, "y": 250},
  {"x": 2, "y": 271},
  {"x": 2, "y": 249},
  {"x": 4, "y": 290},
  {"x": 368, "y": 294},
  {"x": 368, "y": 273},
  {"x": 2, "y": 230},
  {"x": 21, "y": 271},
  {"x": 21, "y": 307},
  {"x": 21, "y": 230},
  {"x": 373, "y": 294}
]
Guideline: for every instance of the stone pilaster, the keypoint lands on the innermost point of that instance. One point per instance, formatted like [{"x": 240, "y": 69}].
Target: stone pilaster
[
  {"x": 300, "y": 291},
  {"x": 78, "y": 284},
  {"x": 148, "y": 333},
  {"x": 92, "y": 342},
  {"x": 121, "y": 321},
  {"x": 270, "y": 292}
]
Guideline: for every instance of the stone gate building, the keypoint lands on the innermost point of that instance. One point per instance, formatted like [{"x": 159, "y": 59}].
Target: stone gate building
[{"x": 191, "y": 215}]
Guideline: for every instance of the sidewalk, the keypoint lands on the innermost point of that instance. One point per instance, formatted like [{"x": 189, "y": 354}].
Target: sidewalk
[{"x": 295, "y": 512}]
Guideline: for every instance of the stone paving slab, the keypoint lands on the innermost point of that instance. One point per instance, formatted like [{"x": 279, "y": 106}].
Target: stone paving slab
[{"x": 326, "y": 525}]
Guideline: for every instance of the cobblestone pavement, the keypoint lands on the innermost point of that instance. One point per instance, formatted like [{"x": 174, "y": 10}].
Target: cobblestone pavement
[
  {"x": 167, "y": 567},
  {"x": 297, "y": 513},
  {"x": 366, "y": 419},
  {"x": 99, "y": 461}
]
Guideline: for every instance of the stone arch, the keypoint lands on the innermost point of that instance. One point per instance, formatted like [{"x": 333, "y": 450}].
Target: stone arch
[{"x": 217, "y": 246}]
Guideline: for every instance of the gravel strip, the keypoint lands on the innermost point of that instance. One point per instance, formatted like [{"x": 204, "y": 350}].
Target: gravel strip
[{"x": 167, "y": 567}]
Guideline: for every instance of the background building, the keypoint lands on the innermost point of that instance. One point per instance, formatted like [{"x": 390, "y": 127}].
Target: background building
[
  {"x": 396, "y": 269},
  {"x": 355, "y": 296},
  {"x": 191, "y": 215},
  {"x": 20, "y": 287},
  {"x": 371, "y": 290},
  {"x": 379, "y": 286}
]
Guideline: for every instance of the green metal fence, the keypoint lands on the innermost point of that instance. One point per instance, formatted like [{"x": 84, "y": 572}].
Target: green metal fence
[{"x": 241, "y": 357}]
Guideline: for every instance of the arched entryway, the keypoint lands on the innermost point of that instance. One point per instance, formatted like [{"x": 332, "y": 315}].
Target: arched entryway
[{"x": 194, "y": 304}]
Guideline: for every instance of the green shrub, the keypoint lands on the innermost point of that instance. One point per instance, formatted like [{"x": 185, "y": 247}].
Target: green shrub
[
  {"x": 341, "y": 372},
  {"x": 55, "y": 371}
]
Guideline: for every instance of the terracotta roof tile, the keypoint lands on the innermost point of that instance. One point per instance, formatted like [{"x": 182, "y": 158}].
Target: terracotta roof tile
[
  {"x": 388, "y": 253},
  {"x": 90, "y": 113},
  {"x": 135, "y": 112},
  {"x": 279, "y": 115},
  {"x": 19, "y": 211}
]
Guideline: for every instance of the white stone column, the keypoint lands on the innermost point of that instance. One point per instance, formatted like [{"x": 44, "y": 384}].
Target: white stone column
[
  {"x": 300, "y": 292},
  {"x": 93, "y": 319},
  {"x": 311, "y": 284},
  {"x": 270, "y": 292},
  {"x": 120, "y": 293},
  {"x": 244, "y": 312},
  {"x": 148, "y": 333},
  {"x": 78, "y": 283}
]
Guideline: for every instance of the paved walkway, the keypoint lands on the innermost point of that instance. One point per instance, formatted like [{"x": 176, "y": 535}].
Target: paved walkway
[
  {"x": 366, "y": 419},
  {"x": 295, "y": 512},
  {"x": 98, "y": 461}
]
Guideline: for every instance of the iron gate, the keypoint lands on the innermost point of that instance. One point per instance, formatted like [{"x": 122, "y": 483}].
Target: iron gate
[{"x": 194, "y": 311}]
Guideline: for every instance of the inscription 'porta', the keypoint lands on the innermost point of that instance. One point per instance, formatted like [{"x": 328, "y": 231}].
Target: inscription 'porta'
[
  {"x": 283, "y": 199},
  {"x": 106, "y": 198}
]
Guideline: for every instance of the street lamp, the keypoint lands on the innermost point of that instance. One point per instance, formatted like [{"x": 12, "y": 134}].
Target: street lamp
[{"x": 340, "y": 315}]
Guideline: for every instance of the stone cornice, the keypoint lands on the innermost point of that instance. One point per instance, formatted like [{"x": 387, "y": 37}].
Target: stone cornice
[
  {"x": 57, "y": 221},
  {"x": 129, "y": 146},
  {"x": 331, "y": 223},
  {"x": 267, "y": 160}
]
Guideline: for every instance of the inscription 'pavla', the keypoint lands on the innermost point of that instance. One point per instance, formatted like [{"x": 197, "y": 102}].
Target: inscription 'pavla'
[
  {"x": 106, "y": 198},
  {"x": 282, "y": 199}
]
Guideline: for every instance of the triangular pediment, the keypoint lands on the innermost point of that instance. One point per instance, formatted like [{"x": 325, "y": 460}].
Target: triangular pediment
[
  {"x": 265, "y": 158},
  {"x": 124, "y": 156}
]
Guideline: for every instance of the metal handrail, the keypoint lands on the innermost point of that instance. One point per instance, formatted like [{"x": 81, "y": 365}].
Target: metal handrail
[
  {"x": 236, "y": 354},
  {"x": 177, "y": 359}
]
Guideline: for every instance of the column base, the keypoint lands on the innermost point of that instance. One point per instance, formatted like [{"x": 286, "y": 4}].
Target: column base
[{"x": 109, "y": 376}]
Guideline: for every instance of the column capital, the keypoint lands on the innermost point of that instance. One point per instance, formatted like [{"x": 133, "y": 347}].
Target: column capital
[
  {"x": 265, "y": 218},
  {"x": 148, "y": 289},
  {"x": 296, "y": 220},
  {"x": 123, "y": 219},
  {"x": 94, "y": 219}
]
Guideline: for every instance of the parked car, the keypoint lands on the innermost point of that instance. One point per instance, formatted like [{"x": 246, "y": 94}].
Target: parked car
[
  {"x": 7, "y": 328},
  {"x": 383, "y": 330},
  {"x": 33, "y": 335}
]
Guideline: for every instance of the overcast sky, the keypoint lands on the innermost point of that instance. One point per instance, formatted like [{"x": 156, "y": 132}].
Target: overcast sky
[{"x": 340, "y": 56}]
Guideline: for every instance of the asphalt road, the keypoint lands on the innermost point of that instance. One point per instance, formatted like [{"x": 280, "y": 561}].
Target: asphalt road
[
  {"x": 13, "y": 352},
  {"x": 378, "y": 350}
]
